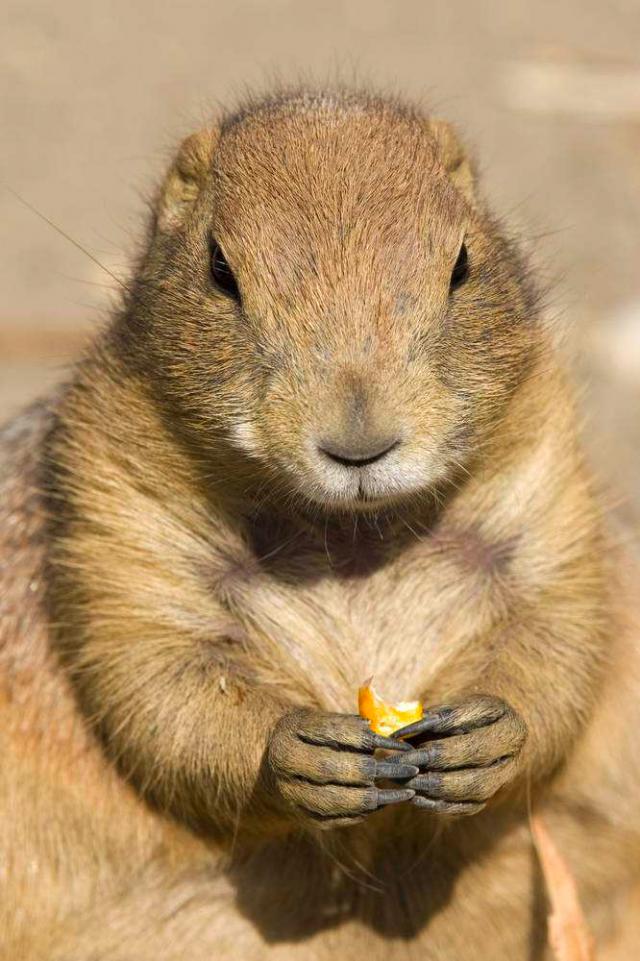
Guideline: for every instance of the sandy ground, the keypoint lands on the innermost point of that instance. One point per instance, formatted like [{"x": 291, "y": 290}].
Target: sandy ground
[{"x": 94, "y": 96}]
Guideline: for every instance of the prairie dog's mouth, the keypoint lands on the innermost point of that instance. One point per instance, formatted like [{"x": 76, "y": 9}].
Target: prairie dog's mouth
[
  {"x": 369, "y": 476},
  {"x": 373, "y": 486}
]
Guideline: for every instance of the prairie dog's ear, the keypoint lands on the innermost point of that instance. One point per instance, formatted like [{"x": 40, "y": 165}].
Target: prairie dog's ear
[
  {"x": 185, "y": 179},
  {"x": 454, "y": 157}
]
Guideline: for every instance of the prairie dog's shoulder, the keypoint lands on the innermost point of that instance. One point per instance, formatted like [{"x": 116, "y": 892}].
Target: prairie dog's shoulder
[
  {"x": 21, "y": 514},
  {"x": 23, "y": 622},
  {"x": 21, "y": 436}
]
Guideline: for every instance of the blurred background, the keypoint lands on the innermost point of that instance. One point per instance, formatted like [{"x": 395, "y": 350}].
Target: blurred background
[{"x": 95, "y": 97}]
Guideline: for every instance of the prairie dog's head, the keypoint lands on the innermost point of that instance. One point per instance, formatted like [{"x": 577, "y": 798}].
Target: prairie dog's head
[{"x": 325, "y": 293}]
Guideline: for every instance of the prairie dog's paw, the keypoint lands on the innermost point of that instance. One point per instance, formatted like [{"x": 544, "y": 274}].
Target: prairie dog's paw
[
  {"x": 323, "y": 768},
  {"x": 466, "y": 752}
]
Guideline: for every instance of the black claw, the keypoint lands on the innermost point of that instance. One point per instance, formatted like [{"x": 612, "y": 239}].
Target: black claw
[
  {"x": 423, "y": 757},
  {"x": 393, "y": 769},
  {"x": 388, "y": 743},
  {"x": 393, "y": 796},
  {"x": 428, "y": 783},
  {"x": 432, "y": 721}
]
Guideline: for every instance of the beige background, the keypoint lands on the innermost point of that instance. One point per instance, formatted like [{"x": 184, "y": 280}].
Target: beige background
[{"x": 95, "y": 95}]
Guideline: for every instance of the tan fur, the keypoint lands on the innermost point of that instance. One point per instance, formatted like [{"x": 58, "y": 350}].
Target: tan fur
[{"x": 187, "y": 586}]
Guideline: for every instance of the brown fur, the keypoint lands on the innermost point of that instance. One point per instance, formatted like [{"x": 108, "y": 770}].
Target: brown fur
[{"x": 191, "y": 596}]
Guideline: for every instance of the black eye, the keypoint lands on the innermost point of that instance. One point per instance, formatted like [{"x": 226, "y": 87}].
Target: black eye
[
  {"x": 222, "y": 273},
  {"x": 461, "y": 269}
]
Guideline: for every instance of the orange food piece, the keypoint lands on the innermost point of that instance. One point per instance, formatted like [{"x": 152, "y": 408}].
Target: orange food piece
[{"x": 386, "y": 718}]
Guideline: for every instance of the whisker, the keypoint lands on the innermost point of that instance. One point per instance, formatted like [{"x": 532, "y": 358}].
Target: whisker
[{"x": 63, "y": 233}]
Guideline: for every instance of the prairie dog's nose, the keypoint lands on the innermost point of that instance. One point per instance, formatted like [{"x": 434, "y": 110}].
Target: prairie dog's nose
[{"x": 360, "y": 455}]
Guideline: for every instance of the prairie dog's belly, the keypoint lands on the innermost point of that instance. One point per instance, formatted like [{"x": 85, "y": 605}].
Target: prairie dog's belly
[{"x": 328, "y": 627}]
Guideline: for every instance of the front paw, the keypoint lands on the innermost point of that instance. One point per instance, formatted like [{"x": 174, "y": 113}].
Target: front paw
[
  {"x": 323, "y": 768},
  {"x": 466, "y": 752}
]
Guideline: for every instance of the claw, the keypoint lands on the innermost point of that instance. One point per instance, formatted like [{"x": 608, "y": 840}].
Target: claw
[
  {"x": 394, "y": 795},
  {"x": 388, "y": 743},
  {"x": 432, "y": 721},
  {"x": 390, "y": 769},
  {"x": 427, "y": 783},
  {"x": 421, "y": 757}
]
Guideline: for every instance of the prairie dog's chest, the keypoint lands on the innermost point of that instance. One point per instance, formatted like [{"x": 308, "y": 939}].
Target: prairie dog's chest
[{"x": 333, "y": 617}]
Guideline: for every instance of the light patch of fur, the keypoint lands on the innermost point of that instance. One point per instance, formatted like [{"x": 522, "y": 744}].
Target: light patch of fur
[{"x": 244, "y": 435}]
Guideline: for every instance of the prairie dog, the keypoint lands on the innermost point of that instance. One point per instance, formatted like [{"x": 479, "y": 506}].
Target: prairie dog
[{"x": 326, "y": 436}]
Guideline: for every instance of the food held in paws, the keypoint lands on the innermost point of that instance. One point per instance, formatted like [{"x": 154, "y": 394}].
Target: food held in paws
[{"x": 385, "y": 718}]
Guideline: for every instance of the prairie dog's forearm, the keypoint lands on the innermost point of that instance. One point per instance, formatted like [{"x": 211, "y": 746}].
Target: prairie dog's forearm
[
  {"x": 159, "y": 662},
  {"x": 182, "y": 729},
  {"x": 554, "y": 701},
  {"x": 539, "y": 619}
]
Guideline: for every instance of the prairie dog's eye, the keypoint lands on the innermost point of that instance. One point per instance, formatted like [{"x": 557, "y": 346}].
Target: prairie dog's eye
[
  {"x": 222, "y": 274},
  {"x": 460, "y": 270}
]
